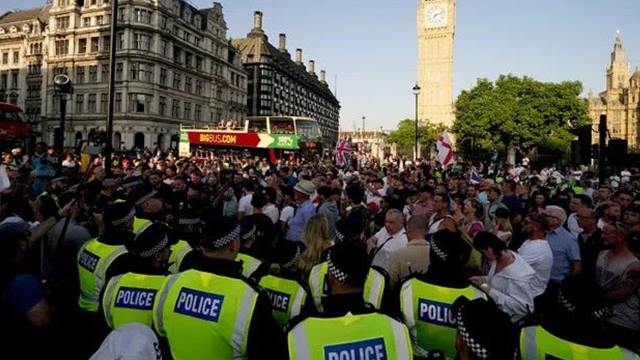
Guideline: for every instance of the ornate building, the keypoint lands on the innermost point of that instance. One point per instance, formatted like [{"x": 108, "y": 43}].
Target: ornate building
[
  {"x": 174, "y": 66},
  {"x": 436, "y": 29},
  {"x": 280, "y": 86},
  {"x": 621, "y": 100}
]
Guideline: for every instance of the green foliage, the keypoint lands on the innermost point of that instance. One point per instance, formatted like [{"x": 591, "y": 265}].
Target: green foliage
[
  {"x": 405, "y": 134},
  {"x": 518, "y": 112}
]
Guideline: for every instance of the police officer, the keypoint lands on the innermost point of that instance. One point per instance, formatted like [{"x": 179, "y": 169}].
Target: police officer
[
  {"x": 129, "y": 297},
  {"x": 572, "y": 328},
  {"x": 426, "y": 299},
  {"x": 252, "y": 265},
  {"x": 189, "y": 229},
  {"x": 148, "y": 205},
  {"x": 350, "y": 329},
  {"x": 289, "y": 296},
  {"x": 212, "y": 310},
  {"x": 483, "y": 331}
]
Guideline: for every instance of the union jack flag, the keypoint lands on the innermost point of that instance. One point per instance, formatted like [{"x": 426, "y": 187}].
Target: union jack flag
[{"x": 343, "y": 152}]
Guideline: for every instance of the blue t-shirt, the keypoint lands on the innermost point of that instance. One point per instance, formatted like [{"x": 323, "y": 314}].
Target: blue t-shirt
[
  {"x": 565, "y": 249},
  {"x": 22, "y": 293}
]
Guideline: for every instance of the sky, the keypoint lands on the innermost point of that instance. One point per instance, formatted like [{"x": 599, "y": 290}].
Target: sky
[{"x": 370, "y": 46}]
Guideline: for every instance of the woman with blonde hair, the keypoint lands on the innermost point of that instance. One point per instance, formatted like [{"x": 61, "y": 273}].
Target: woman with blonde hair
[{"x": 317, "y": 240}]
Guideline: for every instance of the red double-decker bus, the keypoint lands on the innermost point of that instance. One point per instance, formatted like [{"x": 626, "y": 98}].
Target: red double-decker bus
[{"x": 14, "y": 126}]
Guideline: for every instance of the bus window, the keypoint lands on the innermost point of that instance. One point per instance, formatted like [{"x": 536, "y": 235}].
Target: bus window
[
  {"x": 257, "y": 125},
  {"x": 281, "y": 126},
  {"x": 308, "y": 128}
]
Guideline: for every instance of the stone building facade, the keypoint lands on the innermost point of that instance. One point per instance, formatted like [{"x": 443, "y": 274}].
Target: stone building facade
[
  {"x": 621, "y": 100},
  {"x": 371, "y": 143},
  {"x": 174, "y": 66},
  {"x": 278, "y": 85}
]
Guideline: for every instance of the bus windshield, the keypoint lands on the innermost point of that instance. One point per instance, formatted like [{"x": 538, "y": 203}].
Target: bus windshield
[
  {"x": 12, "y": 115},
  {"x": 281, "y": 126},
  {"x": 308, "y": 129}
]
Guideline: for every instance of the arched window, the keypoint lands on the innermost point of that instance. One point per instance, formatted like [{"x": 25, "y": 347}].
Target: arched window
[
  {"x": 138, "y": 140},
  {"x": 160, "y": 141},
  {"x": 117, "y": 139}
]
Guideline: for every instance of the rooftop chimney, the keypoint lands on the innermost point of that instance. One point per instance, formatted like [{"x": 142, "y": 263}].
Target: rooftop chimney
[
  {"x": 299, "y": 56},
  {"x": 283, "y": 43},
  {"x": 323, "y": 76},
  {"x": 257, "y": 20},
  {"x": 312, "y": 67}
]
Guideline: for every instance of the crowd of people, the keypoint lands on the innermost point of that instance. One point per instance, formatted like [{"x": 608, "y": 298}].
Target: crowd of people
[{"x": 226, "y": 256}]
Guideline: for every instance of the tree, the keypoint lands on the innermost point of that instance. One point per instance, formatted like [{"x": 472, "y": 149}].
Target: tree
[
  {"x": 518, "y": 113},
  {"x": 405, "y": 134}
]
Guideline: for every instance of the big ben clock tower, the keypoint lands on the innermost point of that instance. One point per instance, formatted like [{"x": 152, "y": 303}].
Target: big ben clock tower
[{"x": 436, "y": 30}]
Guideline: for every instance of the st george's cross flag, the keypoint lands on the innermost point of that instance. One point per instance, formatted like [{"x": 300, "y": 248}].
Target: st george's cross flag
[
  {"x": 343, "y": 152},
  {"x": 445, "y": 150}
]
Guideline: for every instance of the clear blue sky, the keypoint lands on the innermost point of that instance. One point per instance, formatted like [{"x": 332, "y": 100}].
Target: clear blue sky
[{"x": 371, "y": 44}]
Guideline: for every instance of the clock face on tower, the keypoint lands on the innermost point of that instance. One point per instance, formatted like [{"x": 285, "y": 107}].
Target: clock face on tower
[{"x": 435, "y": 16}]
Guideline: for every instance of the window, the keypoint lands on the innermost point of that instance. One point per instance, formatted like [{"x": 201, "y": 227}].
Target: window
[
  {"x": 198, "y": 113},
  {"x": 5, "y": 58},
  {"x": 138, "y": 103},
  {"x": 86, "y": 22},
  {"x": 16, "y": 57},
  {"x": 82, "y": 46},
  {"x": 120, "y": 41},
  {"x": 177, "y": 55},
  {"x": 119, "y": 68},
  {"x": 80, "y": 74},
  {"x": 163, "y": 22},
  {"x": 104, "y": 100},
  {"x": 62, "y": 47},
  {"x": 142, "y": 16},
  {"x": 198, "y": 87},
  {"x": 199, "y": 63},
  {"x": 175, "y": 108},
  {"x": 187, "y": 111},
  {"x": 142, "y": 42},
  {"x": 164, "y": 47},
  {"x": 196, "y": 41},
  {"x": 177, "y": 81},
  {"x": 104, "y": 73},
  {"x": 142, "y": 71},
  {"x": 163, "y": 77},
  {"x": 162, "y": 108},
  {"x": 95, "y": 44},
  {"x": 106, "y": 43},
  {"x": 79, "y": 103},
  {"x": 4, "y": 78},
  {"x": 91, "y": 104},
  {"x": 187, "y": 84},
  {"x": 93, "y": 2},
  {"x": 93, "y": 73},
  {"x": 99, "y": 20},
  {"x": 62, "y": 22},
  {"x": 121, "y": 13},
  {"x": 187, "y": 59},
  {"x": 117, "y": 103}
]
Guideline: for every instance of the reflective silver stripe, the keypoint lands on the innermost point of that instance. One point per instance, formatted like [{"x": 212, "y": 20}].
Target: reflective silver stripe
[
  {"x": 101, "y": 271},
  {"x": 158, "y": 305},
  {"x": 241, "y": 327},
  {"x": 180, "y": 256},
  {"x": 628, "y": 354},
  {"x": 298, "y": 300},
  {"x": 530, "y": 346},
  {"x": 401, "y": 340},
  {"x": 315, "y": 283},
  {"x": 478, "y": 294},
  {"x": 375, "y": 289},
  {"x": 299, "y": 342},
  {"x": 112, "y": 285},
  {"x": 253, "y": 266},
  {"x": 408, "y": 316}
]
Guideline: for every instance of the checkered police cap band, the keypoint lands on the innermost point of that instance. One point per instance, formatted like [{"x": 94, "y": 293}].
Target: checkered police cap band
[
  {"x": 223, "y": 241},
  {"x": 188, "y": 221},
  {"x": 148, "y": 196},
  {"x": 124, "y": 219},
  {"x": 337, "y": 273},
  {"x": 565, "y": 302},
  {"x": 476, "y": 348},
  {"x": 295, "y": 258},
  {"x": 441, "y": 254},
  {"x": 339, "y": 236},
  {"x": 154, "y": 250}
]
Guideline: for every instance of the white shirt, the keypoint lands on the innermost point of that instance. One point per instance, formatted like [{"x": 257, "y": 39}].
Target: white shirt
[
  {"x": 286, "y": 214},
  {"x": 572, "y": 224},
  {"x": 244, "y": 205},
  {"x": 385, "y": 248},
  {"x": 511, "y": 288},
  {"x": 272, "y": 212},
  {"x": 538, "y": 254}
]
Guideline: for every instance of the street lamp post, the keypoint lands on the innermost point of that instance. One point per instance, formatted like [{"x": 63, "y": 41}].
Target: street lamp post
[
  {"x": 416, "y": 92},
  {"x": 108, "y": 149},
  {"x": 363, "y": 118},
  {"x": 62, "y": 85}
]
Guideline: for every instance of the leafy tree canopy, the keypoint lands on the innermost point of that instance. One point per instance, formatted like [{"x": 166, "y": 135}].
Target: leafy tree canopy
[
  {"x": 405, "y": 134},
  {"x": 522, "y": 113}
]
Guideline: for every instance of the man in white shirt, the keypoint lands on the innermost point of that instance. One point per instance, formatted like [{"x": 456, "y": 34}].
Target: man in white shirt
[
  {"x": 578, "y": 202},
  {"x": 244, "y": 205},
  {"x": 390, "y": 238},
  {"x": 537, "y": 252}
]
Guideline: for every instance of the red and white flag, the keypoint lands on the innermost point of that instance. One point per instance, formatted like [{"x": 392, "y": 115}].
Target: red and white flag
[
  {"x": 445, "y": 150},
  {"x": 343, "y": 152}
]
